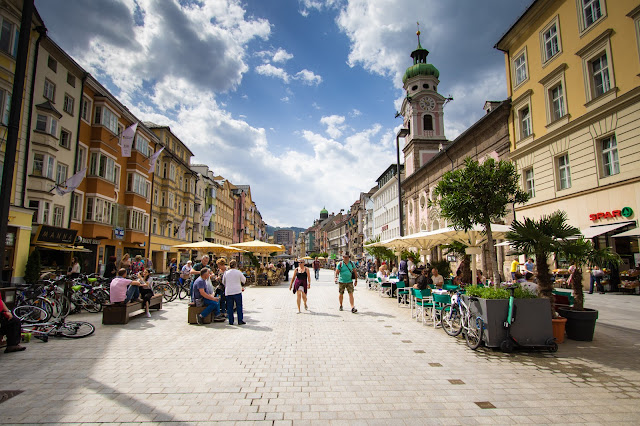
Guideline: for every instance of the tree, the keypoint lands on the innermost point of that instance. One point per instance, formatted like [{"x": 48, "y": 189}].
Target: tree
[
  {"x": 583, "y": 254},
  {"x": 414, "y": 256},
  {"x": 380, "y": 253},
  {"x": 542, "y": 238},
  {"x": 33, "y": 268},
  {"x": 479, "y": 194}
]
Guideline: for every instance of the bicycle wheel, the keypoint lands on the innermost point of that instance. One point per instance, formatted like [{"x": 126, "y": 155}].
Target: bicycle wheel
[
  {"x": 76, "y": 329},
  {"x": 183, "y": 292},
  {"x": 474, "y": 333},
  {"x": 174, "y": 292},
  {"x": 91, "y": 305},
  {"x": 451, "y": 320},
  {"x": 30, "y": 314},
  {"x": 45, "y": 305},
  {"x": 166, "y": 290}
]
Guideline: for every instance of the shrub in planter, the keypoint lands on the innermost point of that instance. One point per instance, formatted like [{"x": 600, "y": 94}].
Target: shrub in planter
[
  {"x": 532, "y": 324},
  {"x": 33, "y": 268}
]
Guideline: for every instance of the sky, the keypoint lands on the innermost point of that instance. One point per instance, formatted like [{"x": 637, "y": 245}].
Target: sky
[{"x": 296, "y": 98}]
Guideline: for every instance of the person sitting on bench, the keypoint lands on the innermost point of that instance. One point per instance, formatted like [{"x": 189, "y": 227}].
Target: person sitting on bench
[
  {"x": 146, "y": 289},
  {"x": 203, "y": 296},
  {"x": 119, "y": 292}
]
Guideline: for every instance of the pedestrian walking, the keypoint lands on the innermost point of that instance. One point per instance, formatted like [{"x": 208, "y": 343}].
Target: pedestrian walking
[
  {"x": 233, "y": 280},
  {"x": 301, "y": 279},
  {"x": 347, "y": 279},
  {"x": 316, "y": 268}
]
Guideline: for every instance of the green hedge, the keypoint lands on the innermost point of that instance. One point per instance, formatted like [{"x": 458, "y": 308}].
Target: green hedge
[{"x": 498, "y": 293}]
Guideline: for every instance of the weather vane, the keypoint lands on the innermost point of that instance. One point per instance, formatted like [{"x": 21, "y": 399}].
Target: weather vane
[{"x": 418, "y": 32}]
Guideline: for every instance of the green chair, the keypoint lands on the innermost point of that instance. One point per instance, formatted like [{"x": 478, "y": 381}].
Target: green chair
[
  {"x": 385, "y": 288},
  {"x": 402, "y": 291},
  {"x": 448, "y": 281},
  {"x": 372, "y": 280},
  {"x": 423, "y": 301},
  {"x": 449, "y": 286},
  {"x": 440, "y": 301}
]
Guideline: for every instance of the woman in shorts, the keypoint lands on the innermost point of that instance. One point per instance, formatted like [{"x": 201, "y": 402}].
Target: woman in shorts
[{"x": 301, "y": 280}]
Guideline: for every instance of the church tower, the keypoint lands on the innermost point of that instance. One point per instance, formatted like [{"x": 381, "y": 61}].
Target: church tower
[{"x": 422, "y": 110}]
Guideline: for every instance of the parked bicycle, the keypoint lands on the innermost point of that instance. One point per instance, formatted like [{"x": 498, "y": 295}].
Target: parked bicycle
[
  {"x": 457, "y": 318},
  {"x": 59, "y": 328}
]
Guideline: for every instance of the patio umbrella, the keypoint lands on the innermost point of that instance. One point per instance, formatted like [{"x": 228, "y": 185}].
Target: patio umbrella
[
  {"x": 473, "y": 238},
  {"x": 260, "y": 247},
  {"x": 208, "y": 247},
  {"x": 322, "y": 258},
  {"x": 307, "y": 257}
]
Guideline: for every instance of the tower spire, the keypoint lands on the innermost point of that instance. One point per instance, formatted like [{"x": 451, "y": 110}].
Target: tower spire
[{"x": 418, "y": 34}]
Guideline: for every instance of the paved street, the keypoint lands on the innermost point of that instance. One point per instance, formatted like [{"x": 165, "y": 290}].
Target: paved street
[{"x": 318, "y": 367}]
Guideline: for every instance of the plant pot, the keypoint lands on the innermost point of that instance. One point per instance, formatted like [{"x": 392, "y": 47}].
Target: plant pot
[
  {"x": 559, "y": 328},
  {"x": 580, "y": 324}
]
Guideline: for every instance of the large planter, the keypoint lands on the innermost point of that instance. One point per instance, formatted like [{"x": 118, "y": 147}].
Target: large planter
[
  {"x": 532, "y": 325},
  {"x": 580, "y": 324}
]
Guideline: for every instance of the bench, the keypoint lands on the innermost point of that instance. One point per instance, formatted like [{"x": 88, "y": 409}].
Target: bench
[
  {"x": 194, "y": 310},
  {"x": 120, "y": 313}
]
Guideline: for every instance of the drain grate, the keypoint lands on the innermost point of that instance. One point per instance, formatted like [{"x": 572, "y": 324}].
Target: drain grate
[
  {"x": 419, "y": 351},
  {"x": 407, "y": 341},
  {"x": 387, "y": 326},
  {"x": 8, "y": 394},
  {"x": 435, "y": 364},
  {"x": 485, "y": 404},
  {"x": 456, "y": 382},
  {"x": 396, "y": 333}
]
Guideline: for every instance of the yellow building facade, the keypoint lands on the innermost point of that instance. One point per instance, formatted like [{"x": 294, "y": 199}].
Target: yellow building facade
[
  {"x": 19, "y": 225},
  {"x": 573, "y": 75},
  {"x": 174, "y": 187}
]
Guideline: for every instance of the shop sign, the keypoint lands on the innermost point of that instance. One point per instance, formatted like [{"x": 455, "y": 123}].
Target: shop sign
[
  {"x": 165, "y": 247},
  {"x": 118, "y": 233},
  {"x": 51, "y": 234},
  {"x": 625, "y": 212},
  {"x": 88, "y": 241}
]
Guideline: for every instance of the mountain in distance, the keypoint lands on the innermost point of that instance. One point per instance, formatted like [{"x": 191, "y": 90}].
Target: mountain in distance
[{"x": 296, "y": 230}]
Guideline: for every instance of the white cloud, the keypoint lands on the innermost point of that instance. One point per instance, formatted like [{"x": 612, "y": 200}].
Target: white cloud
[
  {"x": 355, "y": 113},
  {"x": 282, "y": 55},
  {"x": 285, "y": 99},
  {"x": 271, "y": 71},
  {"x": 335, "y": 125},
  {"x": 308, "y": 77}
]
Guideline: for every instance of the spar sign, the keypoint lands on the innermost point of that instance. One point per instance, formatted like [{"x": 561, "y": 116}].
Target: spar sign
[{"x": 625, "y": 212}]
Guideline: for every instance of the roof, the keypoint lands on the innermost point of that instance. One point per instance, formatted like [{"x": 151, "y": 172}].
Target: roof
[
  {"x": 501, "y": 44},
  {"x": 391, "y": 167}
]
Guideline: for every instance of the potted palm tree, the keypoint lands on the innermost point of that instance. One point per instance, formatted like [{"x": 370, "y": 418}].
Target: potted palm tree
[{"x": 581, "y": 321}]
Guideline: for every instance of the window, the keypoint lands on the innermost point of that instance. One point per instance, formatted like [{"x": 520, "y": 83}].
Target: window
[
  {"x": 610, "y": 163},
  {"x": 47, "y": 124},
  {"x": 529, "y": 184},
  {"x": 591, "y": 12},
  {"x": 52, "y": 64},
  {"x": 564, "y": 172},
  {"x": 164, "y": 199},
  {"x": 49, "y": 90},
  {"x": 525, "y": 122},
  {"x": 138, "y": 184},
  {"x": 76, "y": 206},
  {"x": 61, "y": 173},
  {"x": 557, "y": 102},
  {"x": 9, "y": 34},
  {"x": 81, "y": 158},
  {"x": 137, "y": 220},
  {"x": 107, "y": 118},
  {"x": 46, "y": 212},
  {"x": 180, "y": 185},
  {"x": 85, "y": 109},
  {"x": 428, "y": 122},
  {"x": 171, "y": 201},
  {"x": 65, "y": 138},
  {"x": 34, "y": 205},
  {"x": 5, "y": 104},
  {"x": 550, "y": 43},
  {"x": 155, "y": 196},
  {"x": 164, "y": 170},
  {"x": 600, "y": 75},
  {"x": 154, "y": 225},
  {"x": 104, "y": 167},
  {"x": 58, "y": 216},
  {"x": 71, "y": 80},
  {"x": 68, "y": 104},
  {"x": 100, "y": 210},
  {"x": 43, "y": 165},
  {"x": 521, "y": 68},
  {"x": 172, "y": 172},
  {"x": 142, "y": 145}
]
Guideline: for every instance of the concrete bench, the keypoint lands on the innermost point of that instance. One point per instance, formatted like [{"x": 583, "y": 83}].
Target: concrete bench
[{"x": 114, "y": 313}]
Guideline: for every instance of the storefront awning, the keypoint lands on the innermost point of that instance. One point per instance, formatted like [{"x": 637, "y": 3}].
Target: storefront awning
[
  {"x": 60, "y": 247},
  {"x": 630, "y": 233},
  {"x": 594, "y": 231}
]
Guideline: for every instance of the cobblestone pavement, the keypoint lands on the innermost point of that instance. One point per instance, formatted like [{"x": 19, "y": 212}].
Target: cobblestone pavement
[{"x": 321, "y": 367}]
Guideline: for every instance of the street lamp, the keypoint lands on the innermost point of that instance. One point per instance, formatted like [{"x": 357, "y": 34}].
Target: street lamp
[{"x": 402, "y": 133}]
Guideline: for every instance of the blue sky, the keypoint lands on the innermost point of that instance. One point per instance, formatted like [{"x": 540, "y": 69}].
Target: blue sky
[{"x": 294, "y": 97}]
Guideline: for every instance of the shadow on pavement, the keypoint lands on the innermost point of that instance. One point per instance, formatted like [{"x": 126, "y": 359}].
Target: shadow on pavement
[{"x": 375, "y": 314}]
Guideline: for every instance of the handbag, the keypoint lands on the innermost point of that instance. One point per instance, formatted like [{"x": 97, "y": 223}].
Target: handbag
[{"x": 353, "y": 272}]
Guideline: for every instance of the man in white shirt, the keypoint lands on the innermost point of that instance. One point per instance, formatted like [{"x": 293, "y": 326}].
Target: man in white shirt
[
  {"x": 233, "y": 280},
  {"x": 438, "y": 280}
]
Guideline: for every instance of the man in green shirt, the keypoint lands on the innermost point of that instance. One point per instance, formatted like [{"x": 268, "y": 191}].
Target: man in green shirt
[{"x": 346, "y": 279}]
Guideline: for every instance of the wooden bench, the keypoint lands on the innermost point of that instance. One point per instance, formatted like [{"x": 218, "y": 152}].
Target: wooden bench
[
  {"x": 194, "y": 310},
  {"x": 120, "y": 313}
]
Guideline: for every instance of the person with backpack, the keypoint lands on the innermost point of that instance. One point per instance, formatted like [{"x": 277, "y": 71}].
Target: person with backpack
[{"x": 347, "y": 278}]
